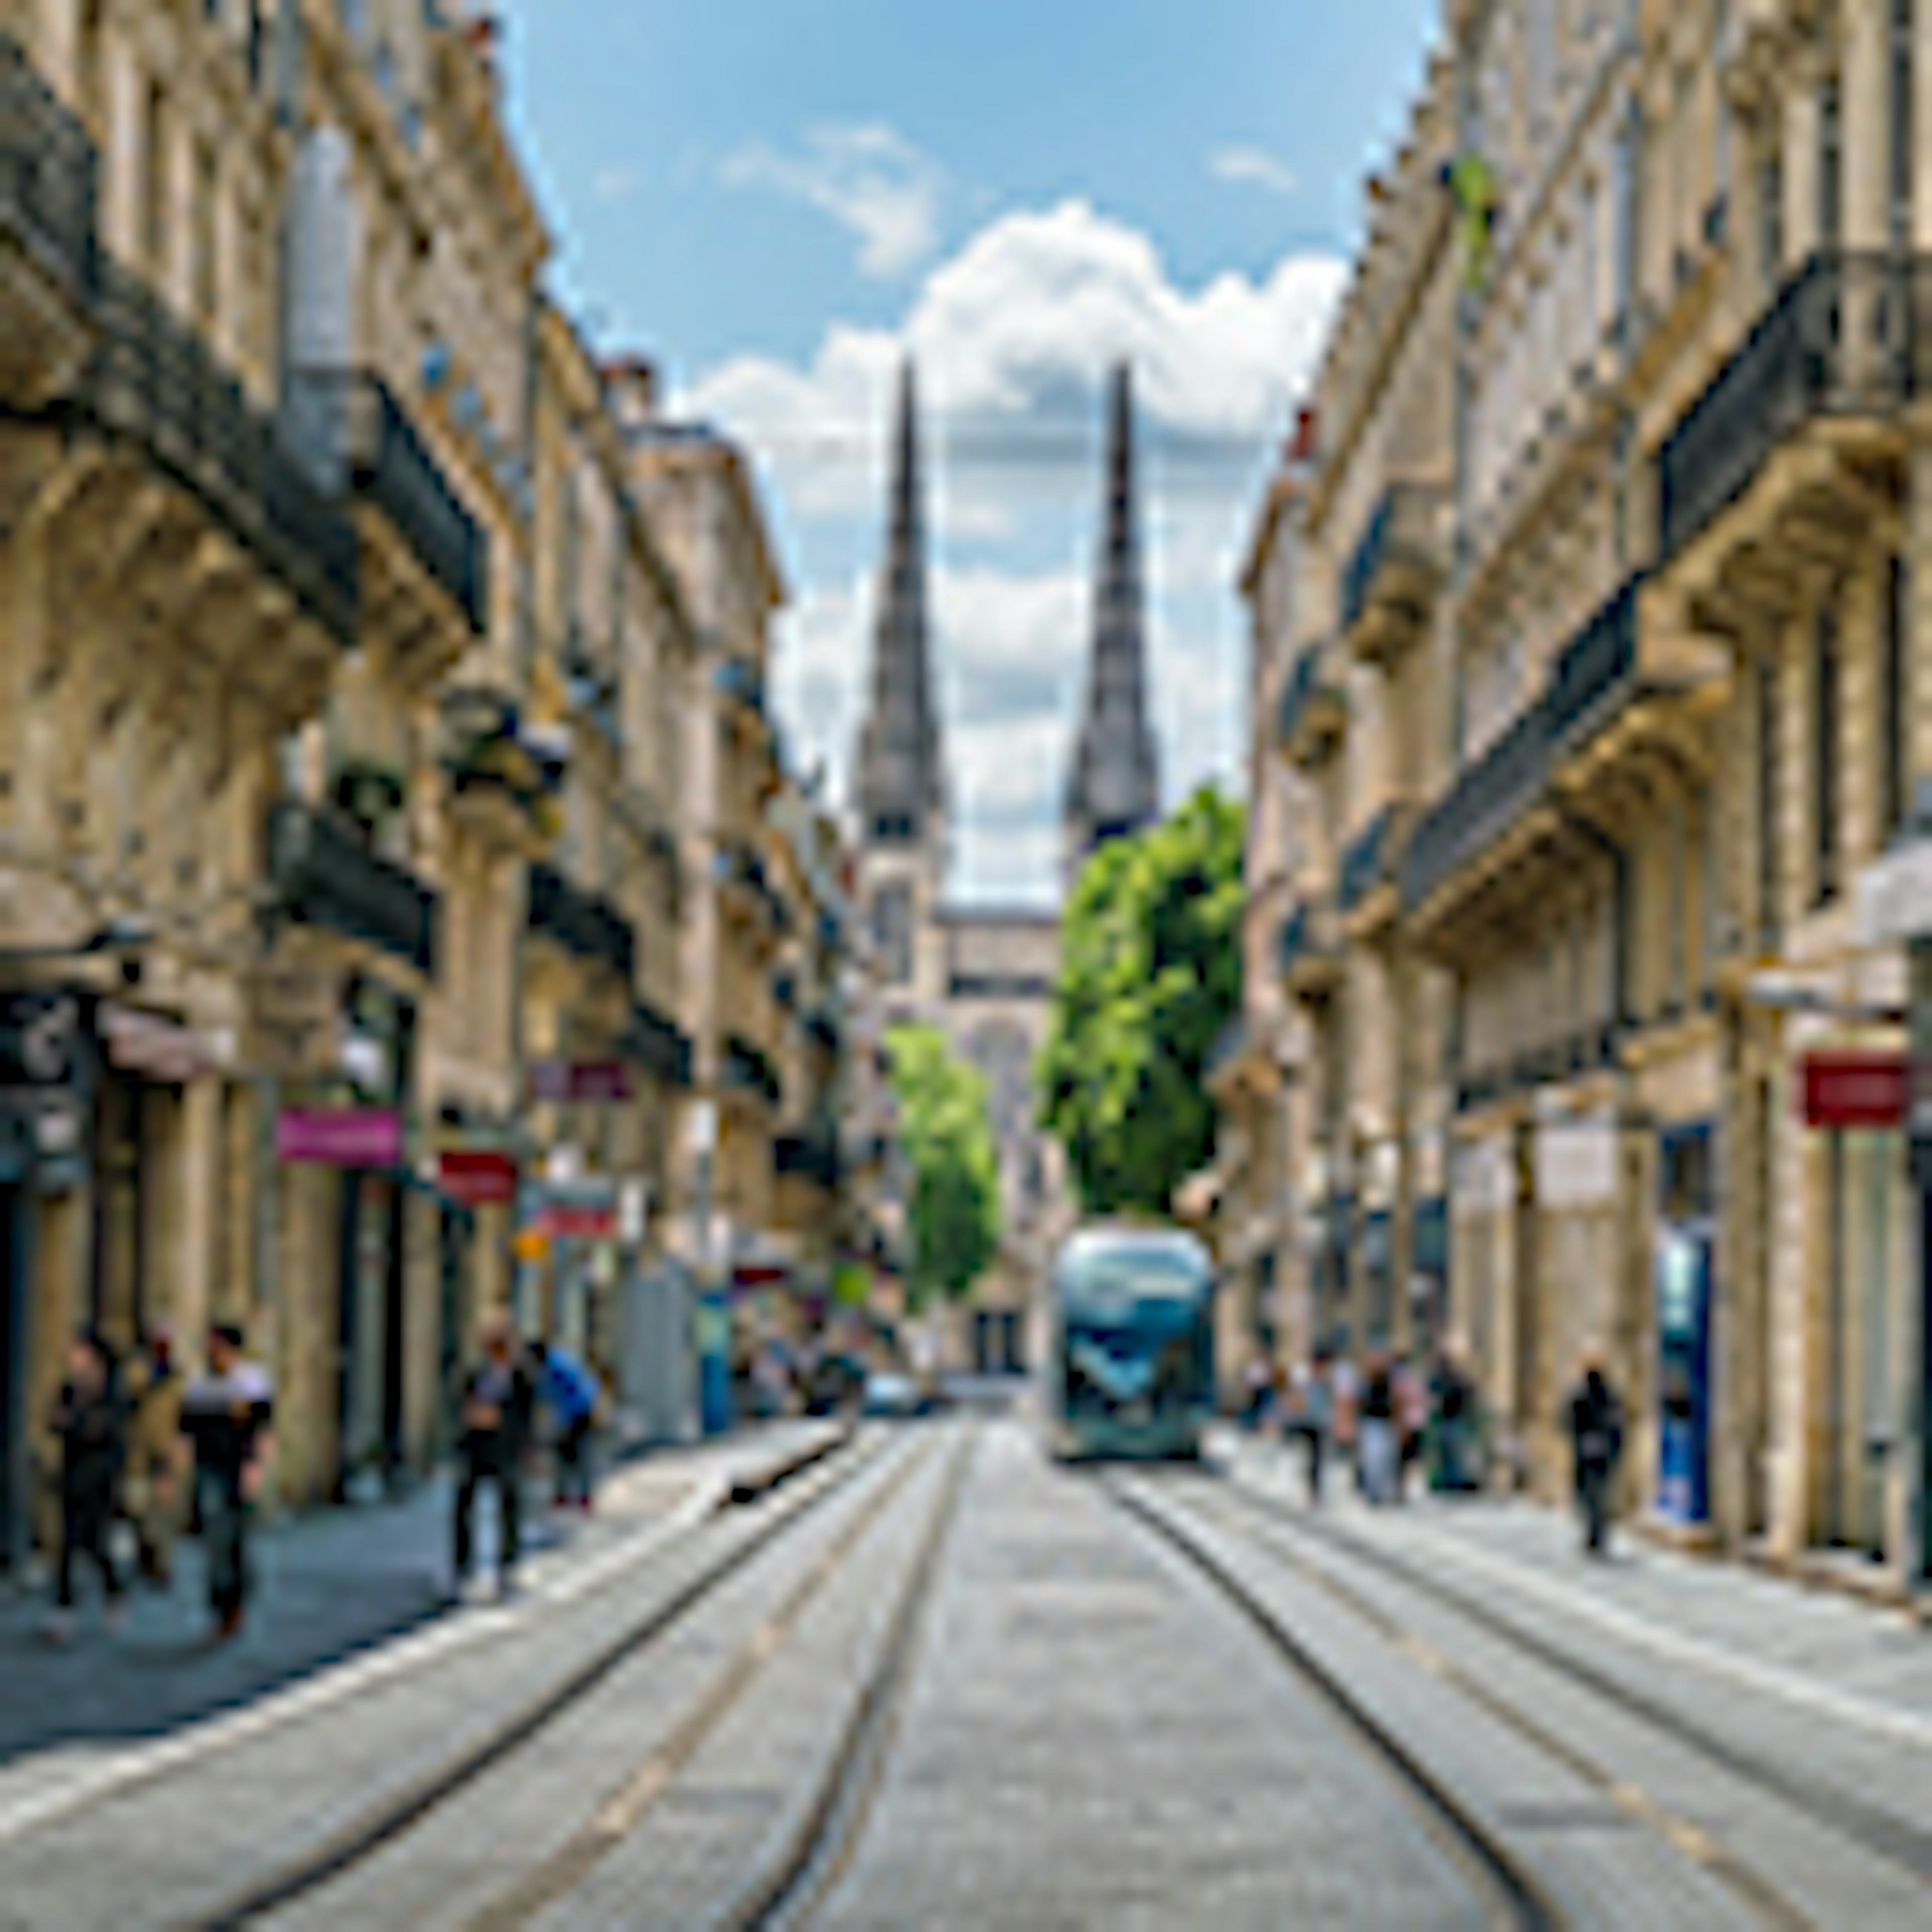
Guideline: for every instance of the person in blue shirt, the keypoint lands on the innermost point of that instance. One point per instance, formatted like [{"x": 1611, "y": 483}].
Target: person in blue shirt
[{"x": 572, "y": 1393}]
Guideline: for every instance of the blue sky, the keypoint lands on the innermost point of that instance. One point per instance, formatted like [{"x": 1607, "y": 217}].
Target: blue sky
[{"x": 776, "y": 198}]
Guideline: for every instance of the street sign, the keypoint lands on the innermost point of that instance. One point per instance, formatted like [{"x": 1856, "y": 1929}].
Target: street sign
[
  {"x": 1895, "y": 896},
  {"x": 605, "y": 1083},
  {"x": 1850, "y": 1091},
  {"x": 369, "y": 1137},
  {"x": 478, "y": 1176}
]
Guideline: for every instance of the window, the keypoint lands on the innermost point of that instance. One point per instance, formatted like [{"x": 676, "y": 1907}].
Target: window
[
  {"x": 1825, "y": 752},
  {"x": 1831, "y": 162},
  {"x": 204, "y": 270},
  {"x": 1771, "y": 214},
  {"x": 154, "y": 179},
  {"x": 1894, "y": 700},
  {"x": 1900, "y": 172}
]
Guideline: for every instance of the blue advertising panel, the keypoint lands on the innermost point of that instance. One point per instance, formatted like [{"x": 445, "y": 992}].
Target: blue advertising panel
[
  {"x": 1684, "y": 1252},
  {"x": 714, "y": 1361}
]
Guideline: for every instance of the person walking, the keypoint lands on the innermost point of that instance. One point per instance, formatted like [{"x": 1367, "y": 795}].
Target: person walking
[
  {"x": 1596, "y": 1419},
  {"x": 1344, "y": 1410},
  {"x": 497, "y": 1402},
  {"x": 1377, "y": 1435},
  {"x": 1453, "y": 1470},
  {"x": 571, "y": 1393},
  {"x": 1411, "y": 1421},
  {"x": 153, "y": 1490},
  {"x": 226, "y": 1416},
  {"x": 1318, "y": 1418},
  {"x": 88, "y": 1423}
]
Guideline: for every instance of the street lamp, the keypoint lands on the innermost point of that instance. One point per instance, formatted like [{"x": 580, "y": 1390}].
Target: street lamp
[{"x": 117, "y": 935}]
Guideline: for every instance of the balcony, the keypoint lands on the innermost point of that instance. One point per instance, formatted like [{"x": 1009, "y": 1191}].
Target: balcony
[
  {"x": 654, "y": 1043},
  {"x": 1392, "y": 578},
  {"x": 505, "y": 780},
  {"x": 1776, "y": 471},
  {"x": 1314, "y": 711},
  {"x": 1624, "y": 703},
  {"x": 151, "y": 382},
  {"x": 49, "y": 185},
  {"x": 1464, "y": 842},
  {"x": 1311, "y": 952},
  {"x": 811, "y": 1157},
  {"x": 748, "y": 886},
  {"x": 741, "y": 680},
  {"x": 585, "y": 924},
  {"x": 1369, "y": 894},
  {"x": 427, "y": 560},
  {"x": 747, "y": 1069},
  {"x": 824, "y": 1028},
  {"x": 323, "y": 874}
]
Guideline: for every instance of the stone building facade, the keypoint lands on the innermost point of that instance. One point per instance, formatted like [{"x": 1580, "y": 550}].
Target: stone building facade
[
  {"x": 384, "y": 847},
  {"x": 1652, "y": 655}
]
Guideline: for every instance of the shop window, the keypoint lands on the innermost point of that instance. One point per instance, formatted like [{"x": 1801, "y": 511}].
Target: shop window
[{"x": 1686, "y": 1176}]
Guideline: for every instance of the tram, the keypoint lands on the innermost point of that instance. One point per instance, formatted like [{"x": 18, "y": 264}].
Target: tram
[{"x": 1130, "y": 1370}]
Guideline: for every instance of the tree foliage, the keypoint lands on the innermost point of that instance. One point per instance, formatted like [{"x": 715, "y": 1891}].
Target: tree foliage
[
  {"x": 948, "y": 1137},
  {"x": 1150, "y": 975}
]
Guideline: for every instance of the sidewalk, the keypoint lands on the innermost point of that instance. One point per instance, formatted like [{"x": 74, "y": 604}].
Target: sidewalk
[
  {"x": 1746, "y": 1621},
  {"x": 331, "y": 1585}
]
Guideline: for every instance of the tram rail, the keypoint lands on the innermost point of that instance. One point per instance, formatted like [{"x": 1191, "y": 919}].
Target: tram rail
[
  {"x": 1517, "y": 1897},
  {"x": 792, "y": 1499},
  {"x": 1905, "y": 1846}
]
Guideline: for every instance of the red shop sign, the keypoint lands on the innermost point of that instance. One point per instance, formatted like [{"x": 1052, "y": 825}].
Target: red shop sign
[
  {"x": 578, "y": 1221},
  {"x": 365, "y": 1137},
  {"x": 1855, "y": 1089},
  {"x": 478, "y": 1176}
]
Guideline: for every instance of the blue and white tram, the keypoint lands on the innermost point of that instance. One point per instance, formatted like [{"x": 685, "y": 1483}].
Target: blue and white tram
[{"x": 1131, "y": 1369}]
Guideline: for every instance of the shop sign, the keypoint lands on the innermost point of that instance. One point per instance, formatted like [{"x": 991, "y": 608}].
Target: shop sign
[
  {"x": 149, "y": 1044},
  {"x": 578, "y": 1221},
  {"x": 369, "y": 1137},
  {"x": 597, "y": 1083},
  {"x": 1856, "y": 1090},
  {"x": 478, "y": 1176},
  {"x": 531, "y": 1244},
  {"x": 1576, "y": 1164}
]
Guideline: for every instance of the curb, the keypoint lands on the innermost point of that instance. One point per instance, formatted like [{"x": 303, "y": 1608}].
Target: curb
[{"x": 754, "y": 1484}]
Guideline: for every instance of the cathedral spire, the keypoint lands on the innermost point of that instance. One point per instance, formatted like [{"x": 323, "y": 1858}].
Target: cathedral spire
[
  {"x": 1115, "y": 787},
  {"x": 901, "y": 787}
]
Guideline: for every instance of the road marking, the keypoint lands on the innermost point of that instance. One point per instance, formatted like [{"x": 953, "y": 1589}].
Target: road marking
[
  {"x": 460, "y": 1631},
  {"x": 1770, "y": 1679}
]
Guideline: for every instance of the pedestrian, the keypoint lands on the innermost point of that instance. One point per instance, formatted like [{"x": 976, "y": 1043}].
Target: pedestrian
[
  {"x": 1377, "y": 1435},
  {"x": 497, "y": 1402},
  {"x": 572, "y": 1393},
  {"x": 153, "y": 1490},
  {"x": 89, "y": 1424},
  {"x": 1344, "y": 1390},
  {"x": 1318, "y": 1418},
  {"x": 1596, "y": 1418},
  {"x": 1454, "y": 1469},
  {"x": 1257, "y": 1380},
  {"x": 1411, "y": 1421},
  {"x": 227, "y": 1416}
]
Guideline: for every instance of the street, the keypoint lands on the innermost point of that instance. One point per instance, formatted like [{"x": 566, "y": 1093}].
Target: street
[{"x": 923, "y": 1676}]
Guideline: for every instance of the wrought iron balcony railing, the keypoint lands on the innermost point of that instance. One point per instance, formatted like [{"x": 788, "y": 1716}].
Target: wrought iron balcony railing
[
  {"x": 49, "y": 177},
  {"x": 349, "y": 423},
  {"x": 1848, "y": 335},
  {"x": 824, "y": 1027},
  {"x": 487, "y": 748},
  {"x": 1599, "y": 665},
  {"x": 584, "y": 923},
  {"x": 1487, "y": 798},
  {"x": 1374, "y": 856},
  {"x": 324, "y": 874},
  {"x": 749, "y": 1070},
  {"x": 1314, "y": 708},
  {"x": 153, "y": 381},
  {"x": 1308, "y": 940},
  {"x": 1401, "y": 529},
  {"x": 813, "y": 1157},
  {"x": 655, "y": 1043}
]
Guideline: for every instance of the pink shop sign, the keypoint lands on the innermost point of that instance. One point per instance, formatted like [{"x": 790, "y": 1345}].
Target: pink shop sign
[{"x": 339, "y": 1136}]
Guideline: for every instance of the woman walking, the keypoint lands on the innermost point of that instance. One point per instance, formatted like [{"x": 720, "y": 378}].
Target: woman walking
[{"x": 88, "y": 1422}]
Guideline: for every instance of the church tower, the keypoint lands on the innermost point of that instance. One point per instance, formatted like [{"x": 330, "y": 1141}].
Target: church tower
[
  {"x": 1114, "y": 789},
  {"x": 900, "y": 787}
]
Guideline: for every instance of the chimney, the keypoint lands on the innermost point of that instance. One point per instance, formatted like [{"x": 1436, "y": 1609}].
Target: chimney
[
  {"x": 632, "y": 381},
  {"x": 1306, "y": 439}
]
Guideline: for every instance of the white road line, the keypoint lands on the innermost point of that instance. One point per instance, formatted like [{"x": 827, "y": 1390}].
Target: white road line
[
  {"x": 344, "y": 1681},
  {"x": 1770, "y": 1679}
]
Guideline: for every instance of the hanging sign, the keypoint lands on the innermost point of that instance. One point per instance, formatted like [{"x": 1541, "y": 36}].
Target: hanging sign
[
  {"x": 604, "y": 1083},
  {"x": 478, "y": 1176},
  {"x": 1850, "y": 1091},
  {"x": 369, "y": 1137}
]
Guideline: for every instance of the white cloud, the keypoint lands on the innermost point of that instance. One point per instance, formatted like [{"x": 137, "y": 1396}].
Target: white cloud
[
  {"x": 1252, "y": 167},
  {"x": 1012, "y": 335},
  {"x": 869, "y": 179},
  {"x": 616, "y": 183}
]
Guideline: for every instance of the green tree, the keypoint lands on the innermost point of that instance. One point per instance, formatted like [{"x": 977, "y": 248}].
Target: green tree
[
  {"x": 1150, "y": 974},
  {"x": 948, "y": 1138}
]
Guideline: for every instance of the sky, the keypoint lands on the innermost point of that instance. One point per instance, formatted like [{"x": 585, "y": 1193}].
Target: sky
[{"x": 778, "y": 200}]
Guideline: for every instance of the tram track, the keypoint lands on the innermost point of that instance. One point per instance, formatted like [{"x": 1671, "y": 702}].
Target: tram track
[
  {"x": 1516, "y": 1896},
  {"x": 1906, "y": 1847},
  {"x": 793, "y": 1496}
]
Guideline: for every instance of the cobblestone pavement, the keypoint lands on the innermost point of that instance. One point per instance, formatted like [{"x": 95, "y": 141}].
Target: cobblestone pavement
[{"x": 956, "y": 1685}]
